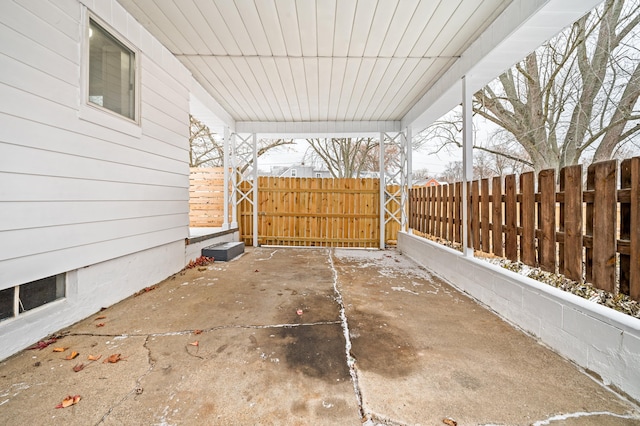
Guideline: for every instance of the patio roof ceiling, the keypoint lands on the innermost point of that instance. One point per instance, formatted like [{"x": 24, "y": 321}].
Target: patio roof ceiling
[{"x": 337, "y": 61}]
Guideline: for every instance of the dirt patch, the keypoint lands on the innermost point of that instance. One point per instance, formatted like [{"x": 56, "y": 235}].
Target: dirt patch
[{"x": 380, "y": 347}]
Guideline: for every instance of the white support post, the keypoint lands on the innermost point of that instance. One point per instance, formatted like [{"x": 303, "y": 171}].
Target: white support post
[
  {"x": 409, "y": 183},
  {"x": 467, "y": 163},
  {"x": 234, "y": 180},
  {"x": 226, "y": 165},
  {"x": 255, "y": 190},
  {"x": 382, "y": 192}
]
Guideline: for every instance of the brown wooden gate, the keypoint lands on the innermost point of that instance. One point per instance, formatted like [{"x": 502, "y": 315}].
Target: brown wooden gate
[{"x": 316, "y": 212}]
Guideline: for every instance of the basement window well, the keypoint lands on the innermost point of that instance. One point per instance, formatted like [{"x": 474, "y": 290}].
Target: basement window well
[{"x": 16, "y": 300}]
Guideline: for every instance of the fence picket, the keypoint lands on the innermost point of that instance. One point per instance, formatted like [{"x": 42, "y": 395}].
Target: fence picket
[
  {"x": 601, "y": 177},
  {"x": 571, "y": 222},
  {"x": 527, "y": 219},
  {"x": 510, "y": 233},
  {"x": 630, "y": 228},
  {"x": 484, "y": 212},
  {"x": 474, "y": 214},
  {"x": 496, "y": 216},
  {"x": 547, "y": 220}
]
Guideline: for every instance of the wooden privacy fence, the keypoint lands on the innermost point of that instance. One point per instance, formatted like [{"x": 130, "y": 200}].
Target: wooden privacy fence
[
  {"x": 206, "y": 197},
  {"x": 590, "y": 234},
  {"x": 316, "y": 212}
]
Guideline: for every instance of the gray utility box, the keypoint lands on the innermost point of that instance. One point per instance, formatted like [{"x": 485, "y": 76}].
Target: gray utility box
[{"x": 224, "y": 251}]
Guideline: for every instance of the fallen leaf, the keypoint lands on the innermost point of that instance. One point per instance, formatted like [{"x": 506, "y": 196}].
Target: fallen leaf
[
  {"x": 196, "y": 343},
  {"x": 94, "y": 357},
  {"x": 113, "y": 358},
  {"x": 59, "y": 349},
  {"x": 100, "y": 324},
  {"x": 256, "y": 270},
  {"x": 197, "y": 331},
  {"x": 78, "y": 367},
  {"x": 72, "y": 355},
  {"x": 100, "y": 317},
  {"x": 43, "y": 343},
  {"x": 299, "y": 312},
  {"x": 69, "y": 401},
  {"x": 450, "y": 422}
]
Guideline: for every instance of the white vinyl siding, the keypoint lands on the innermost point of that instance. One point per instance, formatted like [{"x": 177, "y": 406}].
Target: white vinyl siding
[{"x": 76, "y": 191}]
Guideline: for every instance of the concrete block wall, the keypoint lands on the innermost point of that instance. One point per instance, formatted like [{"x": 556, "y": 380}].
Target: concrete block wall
[{"x": 595, "y": 337}]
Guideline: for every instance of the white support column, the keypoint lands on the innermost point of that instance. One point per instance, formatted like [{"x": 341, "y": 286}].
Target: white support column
[
  {"x": 255, "y": 190},
  {"x": 467, "y": 162},
  {"x": 225, "y": 191},
  {"x": 382, "y": 191},
  {"x": 234, "y": 180},
  {"x": 409, "y": 183}
]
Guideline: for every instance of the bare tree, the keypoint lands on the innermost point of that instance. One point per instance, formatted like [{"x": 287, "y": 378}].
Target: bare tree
[
  {"x": 577, "y": 92},
  {"x": 207, "y": 148},
  {"x": 344, "y": 157}
]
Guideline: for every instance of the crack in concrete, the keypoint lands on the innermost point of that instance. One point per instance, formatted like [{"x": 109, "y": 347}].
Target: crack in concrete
[
  {"x": 138, "y": 386},
  {"x": 207, "y": 330},
  {"x": 560, "y": 417},
  {"x": 351, "y": 361}
]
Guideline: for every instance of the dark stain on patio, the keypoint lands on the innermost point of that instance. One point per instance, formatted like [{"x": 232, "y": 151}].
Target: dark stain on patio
[{"x": 380, "y": 347}]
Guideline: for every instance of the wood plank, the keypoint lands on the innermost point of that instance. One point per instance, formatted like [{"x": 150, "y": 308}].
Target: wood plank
[
  {"x": 474, "y": 214},
  {"x": 496, "y": 216},
  {"x": 603, "y": 181},
  {"x": 445, "y": 212},
  {"x": 458, "y": 208},
  {"x": 438, "y": 192},
  {"x": 510, "y": 235},
  {"x": 630, "y": 228},
  {"x": 547, "y": 220},
  {"x": 451, "y": 191},
  {"x": 484, "y": 216},
  {"x": 527, "y": 219},
  {"x": 571, "y": 222}
]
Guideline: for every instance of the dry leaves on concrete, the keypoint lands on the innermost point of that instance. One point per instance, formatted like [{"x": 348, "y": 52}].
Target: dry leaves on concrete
[{"x": 69, "y": 401}]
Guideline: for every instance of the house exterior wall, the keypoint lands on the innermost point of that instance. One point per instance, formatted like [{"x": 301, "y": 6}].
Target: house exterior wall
[{"x": 83, "y": 190}]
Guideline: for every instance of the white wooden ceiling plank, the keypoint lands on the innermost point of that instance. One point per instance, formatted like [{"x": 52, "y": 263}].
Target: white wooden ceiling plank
[
  {"x": 444, "y": 44},
  {"x": 149, "y": 15},
  {"x": 400, "y": 80},
  {"x": 408, "y": 88},
  {"x": 306, "y": 11},
  {"x": 284, "y": 70},
  {"x": 219, "y": 26},
  {"x": 311, "y": 73},
  {"x": 380, "y": 27},
  {"x": 205, "y": 75},
  {"x": 287, "y": 16},
  {"x": 361, "y": 83},
  {"x": 386, "y": 81},
  {"x": 182, "y": 21},
  {"x": 271, "y": 26},
  {"x": 262, "y": 78},
  {"x": 457, "y": 40},
  {"x": 227, "y": 72},
  {"x": 417, "y": 25},
  {"x": 203, "y": 30},
  {"x": 253, "y": 25},
  {"x": 324, "y": 87},
  {"x": 245, "y": 67},
  {"x": 377, "y": 73},
  {"x": 325, "y": 25},
  {"x": 345, "y": 18},
  {"x": 235, "y": 24},
  {"x": 362, "y": 27},
  {"x": 433, "y": 27},
  {"x": 300, "y": 82},
  {"x": 338, "y": 68},
  {"x": 402, "y": 23},
  {"x": 428, "y": 78},
  {"x": 275, "y": 81},
  {"x": 349, "y": 79}
]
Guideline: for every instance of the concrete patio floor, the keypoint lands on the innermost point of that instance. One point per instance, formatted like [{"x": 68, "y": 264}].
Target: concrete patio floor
[{"x": 271, "y": 349}]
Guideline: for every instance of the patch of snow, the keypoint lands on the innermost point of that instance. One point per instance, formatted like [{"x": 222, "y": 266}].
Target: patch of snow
[
  {"x": 405, "y": 290},
  {"x": 582, "y": 414}
]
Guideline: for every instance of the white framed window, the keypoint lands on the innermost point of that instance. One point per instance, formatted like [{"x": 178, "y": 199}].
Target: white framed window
[
  {"x": 111, "y": 72},
  {"x": 24, "y": 297},
  {"x": 294, "y": 172},
  {"x": 110, "y": 78},
  {"x": 318, "y": 175}
]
